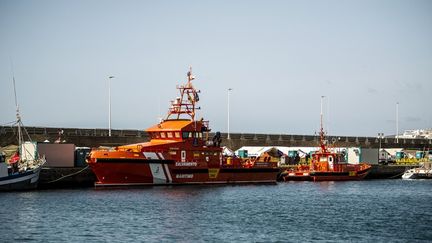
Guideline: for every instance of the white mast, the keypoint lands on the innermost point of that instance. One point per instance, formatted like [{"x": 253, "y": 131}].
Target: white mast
[
  {"x": 109, "y": 105},
  {"x": 321, "y": 113},
  {"x": 17, "y": 115},
  {"x": 229, "y": 91},
  {"x": 397, "y": 122},
  {"x": 322, "y": 134}
]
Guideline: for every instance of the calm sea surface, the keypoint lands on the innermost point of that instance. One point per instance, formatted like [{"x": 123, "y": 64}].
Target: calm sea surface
[{"x": 365, "y": 211}]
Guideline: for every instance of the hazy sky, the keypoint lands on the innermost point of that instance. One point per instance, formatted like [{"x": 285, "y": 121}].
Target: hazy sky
[{"x": 279, "y": 57}]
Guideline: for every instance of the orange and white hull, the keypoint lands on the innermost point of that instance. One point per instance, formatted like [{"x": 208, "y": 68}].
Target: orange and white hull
[
  {"x": 340, "y": 176},
  {"x": 358, "y": 173},
  {"x": 179, "y": 152},
  {"x": 118, "y": 172}
]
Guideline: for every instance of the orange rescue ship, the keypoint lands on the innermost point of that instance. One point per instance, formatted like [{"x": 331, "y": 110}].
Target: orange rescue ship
[
  {"x": 326, "y": 165},
  {"x": 179, "y": 152}
]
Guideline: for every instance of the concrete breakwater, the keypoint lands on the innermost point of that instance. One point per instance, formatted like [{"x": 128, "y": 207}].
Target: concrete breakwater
[{"x": 99, "y": 137}]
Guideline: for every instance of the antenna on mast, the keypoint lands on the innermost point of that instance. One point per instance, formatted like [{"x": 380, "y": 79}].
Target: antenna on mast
[
  {"x": 322, "y": 135},
  {"x": 16, "y": 102},
  {"x": 189, "y": 75},
  {"x": 20, "y": 136},
  {"x": 185, "y": 104},
  {"x": 321, "y": 115},
  {"x": 13, "y": 79}
]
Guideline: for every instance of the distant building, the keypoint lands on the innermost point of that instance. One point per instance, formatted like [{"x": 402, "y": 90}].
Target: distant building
[{"x": 418, "y": 133}]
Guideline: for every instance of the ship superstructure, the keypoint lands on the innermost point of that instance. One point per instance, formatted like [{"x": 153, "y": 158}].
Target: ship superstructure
[{"x": 180, "y": 151}]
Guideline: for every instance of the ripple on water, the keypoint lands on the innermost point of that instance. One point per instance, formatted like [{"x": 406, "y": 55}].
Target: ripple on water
[{"x": 364, "y": 211}]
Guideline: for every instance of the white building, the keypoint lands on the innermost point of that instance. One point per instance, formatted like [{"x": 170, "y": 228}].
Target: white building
[{"x": 418, "y": 133}]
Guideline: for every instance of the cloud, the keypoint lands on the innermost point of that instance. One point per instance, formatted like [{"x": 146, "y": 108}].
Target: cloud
[
  {"x": 414, "y": 86},
  {"x": 412, "y": 119},
  {"x": 408, "y": 86},
  {"x": 372, "y": 90}
]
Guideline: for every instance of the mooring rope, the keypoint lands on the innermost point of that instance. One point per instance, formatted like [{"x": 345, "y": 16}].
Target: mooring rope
[
  {"x": 75, "y": 173},
  {"x": 392, "y": 177}
]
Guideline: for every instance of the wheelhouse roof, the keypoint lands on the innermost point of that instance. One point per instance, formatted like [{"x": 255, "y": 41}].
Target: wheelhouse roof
[{"x": 176, "y": 125}]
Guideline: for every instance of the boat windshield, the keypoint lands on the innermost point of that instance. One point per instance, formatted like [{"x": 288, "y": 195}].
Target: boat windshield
[{"x": 186, "y": 135}]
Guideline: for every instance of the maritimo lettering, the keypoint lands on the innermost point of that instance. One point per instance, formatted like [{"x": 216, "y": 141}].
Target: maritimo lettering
[
  {"x": 184, "y": 176},
  {"x": 186, "y": 163}
]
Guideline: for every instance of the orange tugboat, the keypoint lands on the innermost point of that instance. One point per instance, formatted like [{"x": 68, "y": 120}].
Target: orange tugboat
[
  {"x": 179, "y": 152},
  {"x": 325, "y": 166}
]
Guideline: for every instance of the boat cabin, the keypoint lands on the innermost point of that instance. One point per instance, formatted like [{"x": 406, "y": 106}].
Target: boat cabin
[{"x": 194, "y": 132}]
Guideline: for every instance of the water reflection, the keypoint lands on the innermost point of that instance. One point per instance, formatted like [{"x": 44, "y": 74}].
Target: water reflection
[{"x": 364, "y": 211}]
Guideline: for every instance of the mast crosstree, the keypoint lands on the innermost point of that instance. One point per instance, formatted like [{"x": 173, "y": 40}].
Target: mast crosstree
[{"x": 185, "y": 104}]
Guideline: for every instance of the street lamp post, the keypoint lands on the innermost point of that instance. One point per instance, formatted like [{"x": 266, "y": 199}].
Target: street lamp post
[
  {"x": 109, "y": 105},
  {"x": 397, "y": 122},
  {"x": 229, "y": 91},
  {"x": 380, "y": 136}
]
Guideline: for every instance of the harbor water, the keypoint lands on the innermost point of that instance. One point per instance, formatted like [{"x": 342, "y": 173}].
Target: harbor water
[{"x": 355, "y": 211}]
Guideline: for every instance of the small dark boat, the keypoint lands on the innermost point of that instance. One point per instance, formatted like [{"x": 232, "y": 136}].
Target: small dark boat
[{"x": 24, "y": 180}]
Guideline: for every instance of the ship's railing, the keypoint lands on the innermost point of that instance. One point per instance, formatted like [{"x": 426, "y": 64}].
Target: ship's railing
[{"x": 407, "y": 161}]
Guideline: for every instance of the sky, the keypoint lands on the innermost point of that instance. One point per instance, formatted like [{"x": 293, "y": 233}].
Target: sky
[{"x": 279, "y": 58}]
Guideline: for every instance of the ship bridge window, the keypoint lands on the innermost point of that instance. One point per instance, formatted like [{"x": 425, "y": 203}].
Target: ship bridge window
[
  {"x": 162, "y": 134},
  {"x": 177, "y": 134},
  {"x": 185, "y": 135},
  {"x": 154, "y": 135},
  {"x": 195, "y": 135},
  {"x": 169, "y": 134}
]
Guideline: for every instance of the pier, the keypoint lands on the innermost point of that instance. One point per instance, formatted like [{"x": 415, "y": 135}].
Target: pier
[
  {"x": 76, "y": 177},
  {"x": 87, "y": 137}
]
